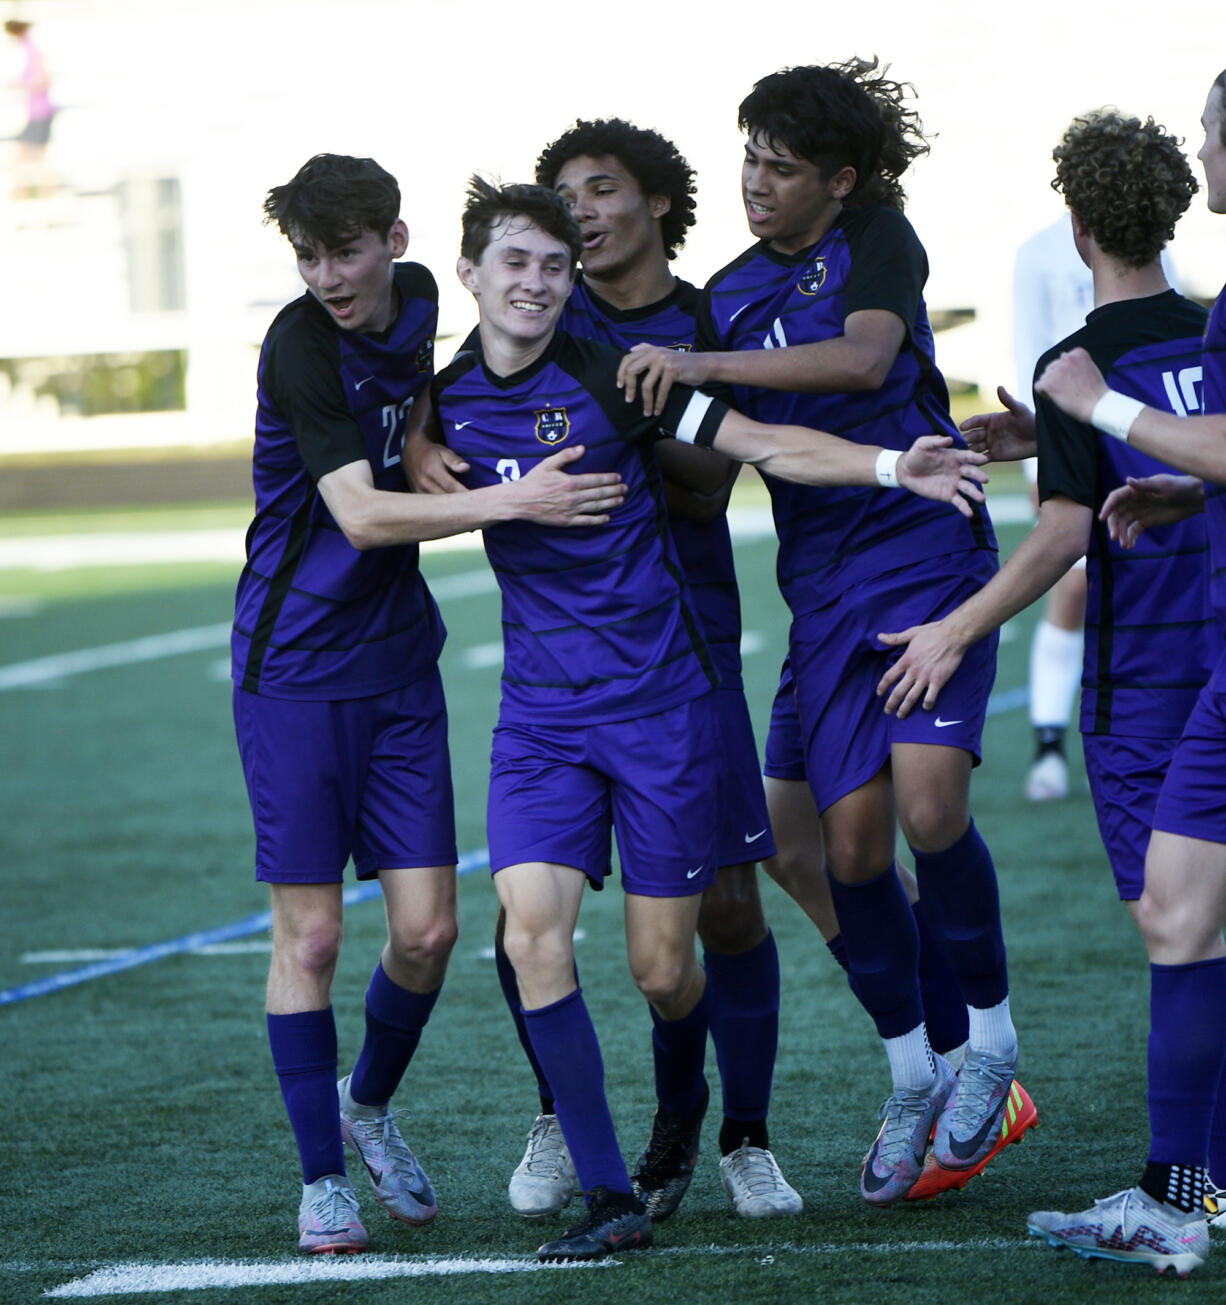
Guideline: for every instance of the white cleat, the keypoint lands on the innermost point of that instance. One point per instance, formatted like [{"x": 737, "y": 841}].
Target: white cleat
[
  {"x": 544, "y": 1180},
  {"x": 756, "y": 1186}
]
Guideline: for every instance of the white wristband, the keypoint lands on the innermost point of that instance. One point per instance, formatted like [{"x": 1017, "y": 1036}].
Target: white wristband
[
  {"x": 887, "y": 468},
  {"x": 1114, "y": 414}
]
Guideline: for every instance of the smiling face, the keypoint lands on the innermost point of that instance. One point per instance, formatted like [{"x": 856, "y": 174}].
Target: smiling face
[
  {"x": 1212, "y": 153},
  {"x": 353, "y": 281},
  {"x": 520, "y": 282},
  {"x": 620, "y": 225},
  {"x": 788, "y": 202}
]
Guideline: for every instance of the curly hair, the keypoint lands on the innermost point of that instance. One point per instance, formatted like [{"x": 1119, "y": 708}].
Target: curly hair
[
  {"x": 1127, "y": 180},
  {"x": 488, "y": 205},
  {"x": 651, "y": 159},
  {"x": 841, "y": 115},
  {"x": 332, "y": 199}
]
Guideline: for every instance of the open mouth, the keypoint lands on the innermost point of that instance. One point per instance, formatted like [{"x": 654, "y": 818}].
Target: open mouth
[
  {"x": 340, "y": 305},
  {"x": 757, "y": 210},
  {"x": 527, "y": 306}
]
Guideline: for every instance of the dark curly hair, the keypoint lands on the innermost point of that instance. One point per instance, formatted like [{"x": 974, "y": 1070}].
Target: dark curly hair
[
  {"x": 488, "y": 205},
  {"x": 1127, "y": 180},
  {"x": 651, "y": 159},
  {"x": 332, "y": 199},
  {"x": 841, "y": 115}
]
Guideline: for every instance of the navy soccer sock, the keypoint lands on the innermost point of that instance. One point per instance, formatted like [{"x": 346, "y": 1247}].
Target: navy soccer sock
[
  {"x": 1217, "y": 1136},
  {"x": 880, "y": 941},
  {"x": 743, "y": 1012},
  {"x": 1187, "y": 1052},
  {"x": 566, "y": 1046},
  {"x": 962, "y": 903},
  {"x": 944, "y": 1005},
  {"x": 510, "y": 993},
  {"x": 304, "y": 1056},
  {"x": 679, "y": 1049},
  {"x": 395, "y": 1018}
]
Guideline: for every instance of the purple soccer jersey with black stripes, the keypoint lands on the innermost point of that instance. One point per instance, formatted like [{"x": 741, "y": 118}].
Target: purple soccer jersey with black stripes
[
  {"x": 315, "y": 618},
  {"x": 597, "y": 622},
  {"x": 1213, "y": 362},
  {"x": 704, "y": 547},
  {"x": 830, "y": 539},
  {"x": 1151, "y": 640}
]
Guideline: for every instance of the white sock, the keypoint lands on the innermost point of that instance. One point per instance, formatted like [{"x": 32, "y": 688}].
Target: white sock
[
  {"x": 1055, "y": 673},
  {"x": 911, "y": 1065},
  {"x": 991, "y": 1030}
]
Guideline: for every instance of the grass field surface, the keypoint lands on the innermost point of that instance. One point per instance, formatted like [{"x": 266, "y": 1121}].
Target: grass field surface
[{"x": 146, "y": 1153}]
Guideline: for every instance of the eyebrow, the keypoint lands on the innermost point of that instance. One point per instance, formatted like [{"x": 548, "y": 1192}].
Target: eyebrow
[{"x": 588, "y": 181}]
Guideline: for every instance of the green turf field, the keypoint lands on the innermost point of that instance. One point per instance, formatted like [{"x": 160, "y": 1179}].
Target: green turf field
[{"x": 146, "y": 1152}]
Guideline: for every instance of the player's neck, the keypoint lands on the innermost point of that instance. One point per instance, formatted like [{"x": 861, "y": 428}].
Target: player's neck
[
  {"x": 504, "y": 355},
  {"x": 1115, "y": 281},
  {"x": 636, "y": 286}
]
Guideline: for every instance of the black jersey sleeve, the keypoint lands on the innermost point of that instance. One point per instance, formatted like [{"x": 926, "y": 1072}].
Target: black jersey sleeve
[
  {"x": 888, "y": 265},
  {"x": 305, "y": 383},
  {"x": 1068, "y": 452}
]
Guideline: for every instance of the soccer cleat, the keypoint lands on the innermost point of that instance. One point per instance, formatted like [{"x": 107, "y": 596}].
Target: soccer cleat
[
  {"x": 544, "y": 1180},
  {"x": 1047, "y": 779},
  {"x": 328, "y": 1222},
  {"x": 1215, "y": 1205},
  {"x": 615, "y": 1221},
  {"x": 896, "y": 1157},
  {"x": 755, "y": 1184},
  {"x": 1020, "y": 1114},
  {"x": 971, "y": 1123},
  {"x": 1128, "y": 1226},
  {"x": 401, "y": 1186},
  {"x": 664, "y": 1170}
]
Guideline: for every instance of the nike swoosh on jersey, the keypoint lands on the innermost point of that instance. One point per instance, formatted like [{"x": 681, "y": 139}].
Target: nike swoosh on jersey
[
  {"x": 737, "y": 314},
  {"x": 753, "y": 838},
  {"x": 459, "y": 425},
  {"x": 943, "y": 724},
  {"x": 689, "y": 874},
  {"x": 357, "y": 385}
]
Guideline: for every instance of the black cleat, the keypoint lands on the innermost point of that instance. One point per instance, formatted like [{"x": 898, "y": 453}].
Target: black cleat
[
  {"x": 664, "y": 1170},
  {"x": 616, "y": 1221}
]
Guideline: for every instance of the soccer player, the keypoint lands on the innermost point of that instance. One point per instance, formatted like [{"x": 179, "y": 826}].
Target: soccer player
[
  {"x": 822, "y": 321},
  {"x": 607, "y": 716},
  {"x": 631, "y": 193},
  {"x": 1182, "y": 909},
  {"x": 1151, "y": 636},
  {"x": 337, "y": 701}
]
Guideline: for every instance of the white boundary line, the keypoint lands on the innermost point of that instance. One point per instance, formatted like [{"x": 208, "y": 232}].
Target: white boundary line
[{"x": 131, "y": 1278}]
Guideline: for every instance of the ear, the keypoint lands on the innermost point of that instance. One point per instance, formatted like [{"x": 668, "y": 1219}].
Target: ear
[
  {"x": 843, "y": 182},
  {"x": 466, "y": 270},
  {"x": 398, "y": 237},
  {"x": 1082, "y": 239},
  {"x": 658, "y": 205}
]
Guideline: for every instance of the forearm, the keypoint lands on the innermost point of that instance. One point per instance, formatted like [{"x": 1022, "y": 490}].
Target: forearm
[
  {"x": 809, "y": 457},
  {"x": 381, "y": 519},
  {"x": 1196, "y": 445},
  {"x": 834, "y": 366}
]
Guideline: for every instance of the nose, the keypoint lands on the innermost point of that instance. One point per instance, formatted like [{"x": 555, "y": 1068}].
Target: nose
[
  {"x": 326, "y": 273},
  {"x": 755, "y": 177},
  {"x": 583, "y": 208}
]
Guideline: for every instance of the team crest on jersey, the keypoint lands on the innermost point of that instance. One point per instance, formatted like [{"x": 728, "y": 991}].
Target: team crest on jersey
[
  {"x": 425, "y": 355},
  {"x": 814, "y": 277},
  {"x": 552, "y": 425}
]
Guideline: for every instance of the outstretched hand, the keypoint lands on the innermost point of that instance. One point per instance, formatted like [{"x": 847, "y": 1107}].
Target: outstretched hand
[
  {"x": 1005, "y": 436},
  {"x": 933, "y": 468},
  {"x": 649, "y": 370},
  {"x": 931, "y": 656},
  {"x": 1148, "y": 501},
  {"x": 551, "y": 496}
]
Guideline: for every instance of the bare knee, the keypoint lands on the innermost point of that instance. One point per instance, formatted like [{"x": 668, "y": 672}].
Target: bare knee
[
  {"x": 424, "y": 947},
  {"x": 730, "y": 919},
  {"x": 933, "y": 822}
]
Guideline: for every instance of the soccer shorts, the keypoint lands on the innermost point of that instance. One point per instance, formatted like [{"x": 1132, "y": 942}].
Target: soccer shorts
[
  {"x": 1193, "y": 798},
  {"x": 744, "y": 827},
  {"x": 785, "y": 749},
  {"x": 556, "y": 791},
  {"x": 837, "y": 663},
  {"x": 1126, "y": 776},
  {"x": 363, "y": 777}
]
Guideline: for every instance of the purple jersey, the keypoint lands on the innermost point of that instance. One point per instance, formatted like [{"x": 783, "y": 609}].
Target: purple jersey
[
  {"x": 704, "y": 548},
  {"x": 1213, "y": 361},
  {"x": 315, "y": 618},
  {"x": 830, "y": 539},
  {"x": 1151, "y": 639},
  {"x": 597, "y": 623}
]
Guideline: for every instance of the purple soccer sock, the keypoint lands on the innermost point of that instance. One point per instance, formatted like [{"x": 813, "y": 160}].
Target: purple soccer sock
[
  {"x": 510, "y": 993},
  {"x": 679, "y": 1050},
  {"x": 566, "y": 1046},
  {"x": 944, "y": 1006},
  {"x": 1217, "y": 1136},
  {"x": 304, "y": 1056},
  {"x": 743, "y": 1012},
  {"x": 1187, "y": 1053},
  {"x": 962, "y": 903},
  {"x": 880, "y": 941},
  {"x": 395, "y": 1018}
]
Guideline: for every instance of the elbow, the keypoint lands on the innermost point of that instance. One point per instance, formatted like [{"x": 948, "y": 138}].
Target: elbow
[
  {"x": 870, "y": 373},
  {"x": 358, "y": 530}
]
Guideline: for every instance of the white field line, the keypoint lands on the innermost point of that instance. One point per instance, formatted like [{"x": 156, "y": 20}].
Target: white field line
[
  {"x": 133, "y": 1278},
  {"x": 84, "y": 955}
]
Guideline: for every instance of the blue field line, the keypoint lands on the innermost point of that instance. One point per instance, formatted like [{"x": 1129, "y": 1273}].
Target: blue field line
[{"x": 478, "y": 859}]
